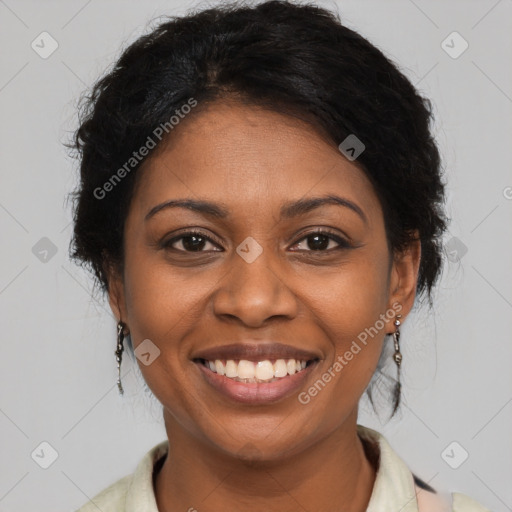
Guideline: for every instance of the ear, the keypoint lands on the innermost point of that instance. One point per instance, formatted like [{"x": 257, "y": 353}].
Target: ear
[
  {"x": 404, "y": 278},
  {"x": 116, "y": 297}
]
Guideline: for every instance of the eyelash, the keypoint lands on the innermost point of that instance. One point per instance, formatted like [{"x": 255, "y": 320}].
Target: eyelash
[{"x": 343, "y": 244}]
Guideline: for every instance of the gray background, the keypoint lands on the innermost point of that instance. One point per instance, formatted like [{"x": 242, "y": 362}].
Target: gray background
[{"x": 57, "y": 370}]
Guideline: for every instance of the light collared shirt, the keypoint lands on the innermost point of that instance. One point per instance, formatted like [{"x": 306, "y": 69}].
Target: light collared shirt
[{"x": 396, "y": 489}]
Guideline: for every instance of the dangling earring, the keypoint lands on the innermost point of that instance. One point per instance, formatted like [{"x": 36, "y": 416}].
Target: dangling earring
[
  {"x": 119, "y": 354},
  {"x": 397, "y": 356}
]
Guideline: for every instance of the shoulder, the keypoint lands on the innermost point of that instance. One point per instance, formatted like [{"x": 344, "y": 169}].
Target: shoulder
[
  {"x": 134, "y": 492},
  {"x": 111, "y": 499},
  {"x": 430, "y": 500},
  {"x": 398, "y": 488},
  {"x": 463, "y": 503}
]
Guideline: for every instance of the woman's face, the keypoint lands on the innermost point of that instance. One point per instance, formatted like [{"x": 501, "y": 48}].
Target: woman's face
[{"x": 258, "y": 275}]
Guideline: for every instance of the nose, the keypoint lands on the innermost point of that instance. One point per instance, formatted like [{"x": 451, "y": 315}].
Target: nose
[{"x": 254, "y": 292}]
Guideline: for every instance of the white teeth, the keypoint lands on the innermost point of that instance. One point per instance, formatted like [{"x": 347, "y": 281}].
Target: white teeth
[
  {"x": 264, "y": 370},
  {"x": 231, "y": 368},
  {"x": 280, "y": 369},
  {"x": 259, "y": 371},
  {"x": 246, "y": 369},
  {"x": 219, "y": 367}
]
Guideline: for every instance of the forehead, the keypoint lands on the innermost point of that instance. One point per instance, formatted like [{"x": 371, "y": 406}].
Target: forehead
[{"x": 247, "y": 157}]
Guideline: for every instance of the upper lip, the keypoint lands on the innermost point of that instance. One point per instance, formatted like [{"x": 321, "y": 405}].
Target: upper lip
[{"x": 255, "y": 352}]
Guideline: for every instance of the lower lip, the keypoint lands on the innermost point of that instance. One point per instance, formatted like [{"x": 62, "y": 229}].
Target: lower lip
[{"x": 256, "y": 393}]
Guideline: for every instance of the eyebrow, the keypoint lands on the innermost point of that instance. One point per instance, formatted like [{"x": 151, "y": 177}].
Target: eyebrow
[{"x": 288, "y": 210}]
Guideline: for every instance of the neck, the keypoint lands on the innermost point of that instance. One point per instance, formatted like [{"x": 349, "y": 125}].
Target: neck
[{"x": 332, "y": 471}]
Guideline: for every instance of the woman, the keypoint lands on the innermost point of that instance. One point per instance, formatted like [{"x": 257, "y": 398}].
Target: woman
[{"x": 261, "y": 199}]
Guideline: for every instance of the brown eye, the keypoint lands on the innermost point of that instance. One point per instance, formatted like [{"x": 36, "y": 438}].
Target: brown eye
[
  {"x": 193, "y": 241},
  {"x": 320, "y": 241}
]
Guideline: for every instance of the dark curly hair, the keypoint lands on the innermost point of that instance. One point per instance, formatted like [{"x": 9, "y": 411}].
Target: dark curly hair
[{"x": 291, "y": 58}]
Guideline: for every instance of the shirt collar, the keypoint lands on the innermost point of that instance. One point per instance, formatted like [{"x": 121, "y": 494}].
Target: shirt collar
[
  {"x": 140, "y": 494},
  {"x": 394, "y": 484},
  {"x": 393, "y": 488}
]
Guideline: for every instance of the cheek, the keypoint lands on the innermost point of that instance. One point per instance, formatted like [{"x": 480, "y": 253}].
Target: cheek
[
  {"x": 352, "y": 316},
  {"x": 164, "y": 306},
  {"x": 162, "y": 301}
]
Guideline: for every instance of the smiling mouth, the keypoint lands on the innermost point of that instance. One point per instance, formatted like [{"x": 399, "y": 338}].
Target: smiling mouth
[{"x": 265, "y": 371}]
